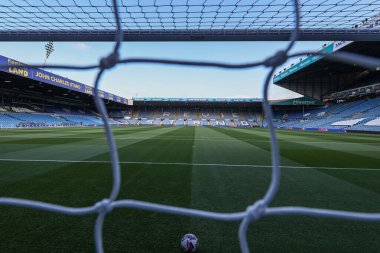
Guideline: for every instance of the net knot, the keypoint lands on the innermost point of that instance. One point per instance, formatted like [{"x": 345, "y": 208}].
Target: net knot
[
  {"x": 110, "y": 61},
  {"x": 103, "y": 206},
  {"x": 277, "y": 59},
  {"x": 256, "y": 211}
]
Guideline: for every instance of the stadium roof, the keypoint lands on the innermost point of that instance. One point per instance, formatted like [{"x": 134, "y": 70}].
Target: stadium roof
[
  {"x": 226, "y": 100},
  {"x": 23, "y": 70},
  {"x": 221, "y": 102},
  {"x": 316, "y": 77},
  {"x": 23, "y": 90},
  {"x": 31, "y": 20},
  {"x": 151, "y": 101}
]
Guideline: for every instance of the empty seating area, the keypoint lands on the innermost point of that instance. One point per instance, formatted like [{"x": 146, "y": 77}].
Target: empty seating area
[
  {"x": 359, "y": 115},
  {"x": 83, "y": 120},
  {"x": 194, "y": 117},
  {"x": 8, "y": 122},
  {"x": 38, "y": 118},
  {"x": 15, "y": 117},
  {"x": 352, "y": 115}
]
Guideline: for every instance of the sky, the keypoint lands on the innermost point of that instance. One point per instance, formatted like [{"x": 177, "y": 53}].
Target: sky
[{"x": 148, "y": 80}]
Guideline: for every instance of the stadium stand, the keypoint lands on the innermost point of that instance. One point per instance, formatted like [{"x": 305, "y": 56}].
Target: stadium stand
[
  {"x": 28, "y": 101},
  {"x": 161, "y": 116},
  {"x": 15, "y": 120},
  {"x": 350, "y": 115},
  {"x": 352, "y": 105},
  {"x": 360, "y": 114}
]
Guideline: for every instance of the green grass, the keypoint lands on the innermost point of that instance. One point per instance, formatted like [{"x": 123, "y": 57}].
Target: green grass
[{"x": 317, "y": 175}]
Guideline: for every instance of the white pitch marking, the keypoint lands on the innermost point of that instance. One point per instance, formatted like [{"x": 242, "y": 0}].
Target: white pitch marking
[{"x": 187, "y": 164}]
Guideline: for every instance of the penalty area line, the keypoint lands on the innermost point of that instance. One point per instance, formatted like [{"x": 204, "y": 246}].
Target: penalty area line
[{"x": 184, "y": 164}]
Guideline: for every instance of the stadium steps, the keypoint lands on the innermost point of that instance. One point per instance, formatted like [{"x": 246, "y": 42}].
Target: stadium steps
[
  {"x": 348, "y": 106},
  {"x": 16, "y": 118},
  {"x": 57, "y": 117},
  {"x": 328, "y": 111},
  {"x": 372, "y": 108},
  {"x": 64, "y": 118},
  {"x": 355, "y": 114},
  {"x": 376, "y": 106},
  {"x": 358, "y": 113}
]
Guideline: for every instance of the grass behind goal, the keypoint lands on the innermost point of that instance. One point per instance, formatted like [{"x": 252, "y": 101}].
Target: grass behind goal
[{"x": 208, "y": 168}]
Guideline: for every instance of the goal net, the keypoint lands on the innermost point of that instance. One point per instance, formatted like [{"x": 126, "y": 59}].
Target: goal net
[
  {"x": 160, "y": 20},
  {"x": 188, "y": 20}
]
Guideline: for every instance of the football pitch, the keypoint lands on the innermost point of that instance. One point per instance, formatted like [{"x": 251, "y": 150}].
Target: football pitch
[{"x": 213, "y": 169}]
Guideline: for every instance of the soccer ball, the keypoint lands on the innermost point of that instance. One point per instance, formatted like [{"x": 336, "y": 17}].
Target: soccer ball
[{"x": 189, "y": 243}]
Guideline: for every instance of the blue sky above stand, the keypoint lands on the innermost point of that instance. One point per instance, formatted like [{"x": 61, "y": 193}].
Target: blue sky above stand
[{"x": 151, "y": 80}]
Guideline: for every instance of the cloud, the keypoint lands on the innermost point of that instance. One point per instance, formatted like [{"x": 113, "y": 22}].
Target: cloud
[{"x": 80, "y": 46}]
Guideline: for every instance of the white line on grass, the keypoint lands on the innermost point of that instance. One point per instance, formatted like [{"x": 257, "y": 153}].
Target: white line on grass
[{"x": 185, "y": 164}]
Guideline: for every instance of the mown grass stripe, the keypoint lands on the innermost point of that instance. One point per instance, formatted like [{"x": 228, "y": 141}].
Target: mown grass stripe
[
  {"x": 78, "y": 152},
  {"x": 313, "y": 156}
]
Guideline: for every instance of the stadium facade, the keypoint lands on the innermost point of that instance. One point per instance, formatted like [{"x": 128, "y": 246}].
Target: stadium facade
[
  {"x": 337, "y": 97},
  {"x": 350, "y": 93}
]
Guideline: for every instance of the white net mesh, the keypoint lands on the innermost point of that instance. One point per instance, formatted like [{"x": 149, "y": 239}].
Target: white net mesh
[
  {"x": 184, "y": 19},
  {"x": 252, "y": 213},
  {"x": 182, "y": 14}
]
